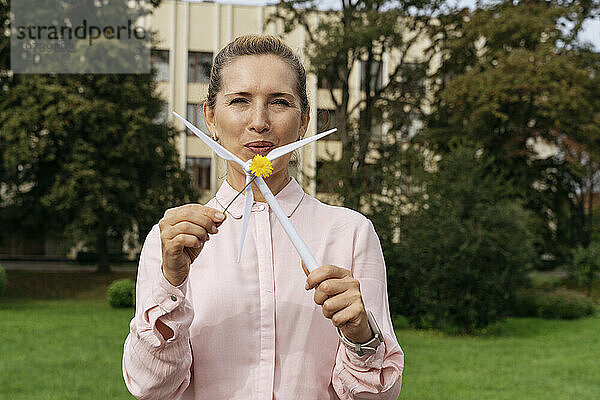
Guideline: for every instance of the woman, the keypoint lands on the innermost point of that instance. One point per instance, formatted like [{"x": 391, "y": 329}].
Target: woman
[{"x": 207, "y": 327}]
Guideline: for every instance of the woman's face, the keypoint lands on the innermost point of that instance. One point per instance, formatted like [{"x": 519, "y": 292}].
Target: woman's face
[{"x": 257, "y": 109}]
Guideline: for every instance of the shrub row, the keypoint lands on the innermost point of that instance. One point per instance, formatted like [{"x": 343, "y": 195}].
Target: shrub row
[{"x": 557, "y": 304}]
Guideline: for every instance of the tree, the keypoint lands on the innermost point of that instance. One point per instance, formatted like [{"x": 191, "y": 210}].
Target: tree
[
  {"x": 464, "y": 245},
  {"x": 356, "y": 37},
  {"x": 513, "y": 78},
  {"x": 85, "y": 154}
]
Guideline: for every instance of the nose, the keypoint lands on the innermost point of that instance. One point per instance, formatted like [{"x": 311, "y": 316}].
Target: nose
[{"x": 259, "y": 121}]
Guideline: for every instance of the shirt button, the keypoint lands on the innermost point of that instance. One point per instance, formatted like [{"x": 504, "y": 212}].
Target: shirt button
[{"x": 173, "y": 297}]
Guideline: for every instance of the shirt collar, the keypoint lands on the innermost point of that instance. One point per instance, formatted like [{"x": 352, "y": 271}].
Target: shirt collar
[{"x": 289, "y": 198}]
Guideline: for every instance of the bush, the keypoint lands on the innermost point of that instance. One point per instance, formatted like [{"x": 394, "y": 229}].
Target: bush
[
  {"x": 526, "y": 303},
  {"x": 557, "y": 304},
  {"x": 586, "y": 265},
  {"x": 564, "y": 304},
  {"x": 3, "y": 280},
  {"x": 121, "y": 293},
  {"x": 400, "y": 322},
  {"x": 463, "y": 251}
]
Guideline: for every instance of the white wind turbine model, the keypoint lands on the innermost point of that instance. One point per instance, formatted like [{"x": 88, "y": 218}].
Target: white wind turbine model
[{"x": 301, "y": 248}]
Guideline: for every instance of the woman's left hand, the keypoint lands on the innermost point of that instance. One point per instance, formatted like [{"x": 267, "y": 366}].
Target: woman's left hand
[{"x": 338, "y": 293}]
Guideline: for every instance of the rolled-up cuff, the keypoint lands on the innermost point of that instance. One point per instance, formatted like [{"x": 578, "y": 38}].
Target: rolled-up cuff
[
  {"x": 366, "y": 362},
  {"x": 169, "y": 304}
]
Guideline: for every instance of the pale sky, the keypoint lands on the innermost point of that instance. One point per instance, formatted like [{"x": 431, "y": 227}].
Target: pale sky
[{"x": 591, "y": 29}]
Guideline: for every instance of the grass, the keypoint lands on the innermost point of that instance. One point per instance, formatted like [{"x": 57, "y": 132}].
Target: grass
[
  {"x": 62, "y": 349},
  {"x": 71, "y": 348},
  {"x": 523, "y": 358},
  {"x": 59, "y": 338}
]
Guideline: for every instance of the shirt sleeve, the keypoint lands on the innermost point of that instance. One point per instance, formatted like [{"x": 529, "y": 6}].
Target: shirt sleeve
[
  {"x": 376, "y": 376},
  {"x": 155, "y": 368}
]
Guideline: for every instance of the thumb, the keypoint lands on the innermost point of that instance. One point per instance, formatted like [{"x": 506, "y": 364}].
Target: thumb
[{"x": 304, "y": 268}]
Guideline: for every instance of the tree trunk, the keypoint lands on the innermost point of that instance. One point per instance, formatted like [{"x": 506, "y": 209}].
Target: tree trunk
[{"x": 102, "y": 250}]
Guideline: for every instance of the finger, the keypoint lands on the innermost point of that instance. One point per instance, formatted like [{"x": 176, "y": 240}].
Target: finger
[
  {"x": 325, "y": 272},
  {"x": 335, "y": 304},
  {"x": 217, "y": 216},
  {"x": 306, "y": 271},
  {"x": 200, "y": 219},
  {"x": 189, "y": 228},
  {"x": 190, "y": 212},
  {"x": 181, "y": 241},
  {"x": 348, "y": 315},
  {"x": 185, "y": 228},
  {"x": 330, "y": 288}
]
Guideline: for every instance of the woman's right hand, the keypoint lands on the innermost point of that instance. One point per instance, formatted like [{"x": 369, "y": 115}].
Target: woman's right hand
[{"x": 183, "y": 232}]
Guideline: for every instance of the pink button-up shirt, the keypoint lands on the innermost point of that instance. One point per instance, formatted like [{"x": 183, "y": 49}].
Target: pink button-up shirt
[{"x": 251, "y": 330}]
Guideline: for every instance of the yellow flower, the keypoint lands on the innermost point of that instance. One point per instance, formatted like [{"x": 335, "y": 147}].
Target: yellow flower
[{"x": 261, "y": 166}]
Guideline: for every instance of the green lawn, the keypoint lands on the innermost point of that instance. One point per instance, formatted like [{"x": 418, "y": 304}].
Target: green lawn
[
  {"x": 71, "y": 349},
  {"x": 526, "y": 358},
  {"x": 61, "y": 350}
]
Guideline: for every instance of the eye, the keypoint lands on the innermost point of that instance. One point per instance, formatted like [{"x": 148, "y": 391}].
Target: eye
[
  {"x": 282, "y": 102},
  {"x": 238, "y": 100}
]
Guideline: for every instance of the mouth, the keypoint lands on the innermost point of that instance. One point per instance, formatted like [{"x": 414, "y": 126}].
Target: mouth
[{"x": 260, "y": 147}]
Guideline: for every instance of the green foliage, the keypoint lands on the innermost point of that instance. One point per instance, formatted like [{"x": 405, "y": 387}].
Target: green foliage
[
  {"x": 564, "y": 304},
  {"x": 543, "y": 281},
  {"x": 121, "y": 293},
  {"x": 464, "y": 247},
  {"x": 3, "y": 280},
  {"x": 525, "y": 303},
  {"x": 556, "y": 304},
  {"x": 513, "y": 75},
  {"x": 585, "y": 267},
  {"x": 400, "y": 322}
]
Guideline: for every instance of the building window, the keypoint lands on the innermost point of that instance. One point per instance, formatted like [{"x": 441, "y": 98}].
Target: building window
[
  {"x": 199, "y": 66},
  {"x": 199, "y": 170},
  {"x": 375, "y": 75},
  {"x": 196, "y": 117},
  {"x": 159, "y": 60}
]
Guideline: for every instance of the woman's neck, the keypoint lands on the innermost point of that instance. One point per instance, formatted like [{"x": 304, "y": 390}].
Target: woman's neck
[{"x": 275, "y": 182}]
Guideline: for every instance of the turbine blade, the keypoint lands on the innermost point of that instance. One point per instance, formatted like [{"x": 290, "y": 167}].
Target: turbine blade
[
  {"x": 248, "y": 201},
  {"x": 301, "y": 248},
  {"x": 217, "y": 148},
  {"x": 278, "y": 152}
]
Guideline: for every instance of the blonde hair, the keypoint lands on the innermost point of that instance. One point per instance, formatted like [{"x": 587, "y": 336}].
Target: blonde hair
[{"x": 256, "y": 45}]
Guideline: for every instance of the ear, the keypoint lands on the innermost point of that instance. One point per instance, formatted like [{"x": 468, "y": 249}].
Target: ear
[
  {"x": 304, "y": 120},
  {"x": 209, "y": 118}
]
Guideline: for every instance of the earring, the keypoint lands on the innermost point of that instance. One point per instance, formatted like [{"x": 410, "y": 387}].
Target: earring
[{"x": 215, "y": 137}]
